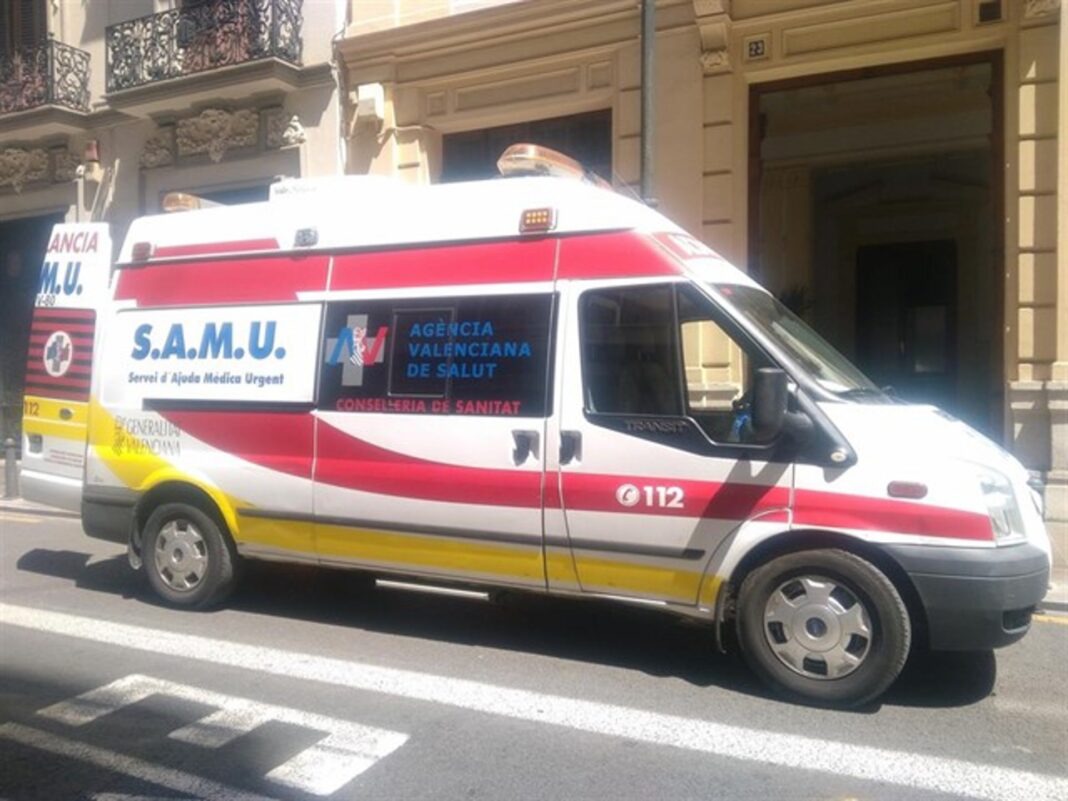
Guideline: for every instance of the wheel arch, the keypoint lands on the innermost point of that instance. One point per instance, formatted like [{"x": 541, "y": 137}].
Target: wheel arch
[
  {"x": 813, "y": 539},
  {"x": 178, "y": 491}
]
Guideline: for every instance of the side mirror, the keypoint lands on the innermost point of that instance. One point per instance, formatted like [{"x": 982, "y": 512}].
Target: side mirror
[{"x": 769, "y": 403}]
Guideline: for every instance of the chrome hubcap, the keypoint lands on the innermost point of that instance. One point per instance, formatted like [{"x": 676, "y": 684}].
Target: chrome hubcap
[
  {"x": 817, "y": 627},
  {"x": 181, "y": 555}
]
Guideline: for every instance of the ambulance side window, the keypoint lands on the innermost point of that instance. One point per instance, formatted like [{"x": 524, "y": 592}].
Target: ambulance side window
[
  {"x": 719, "y": 371},
  {"x": 410, "y": 376},
  {"x": 664, "y": 351},
  {"x": 484, "y": 355},
  {"x": 629, "y": 351}
]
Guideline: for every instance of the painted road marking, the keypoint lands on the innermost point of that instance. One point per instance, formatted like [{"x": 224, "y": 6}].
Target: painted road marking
[
  {"x": 16, "y": 517},
  {"x": 952, "y": 776},
  {"x": 345, "y": 751},
  {"x": 1047, "y": 618},
  {"x": 177, "y": 780}
]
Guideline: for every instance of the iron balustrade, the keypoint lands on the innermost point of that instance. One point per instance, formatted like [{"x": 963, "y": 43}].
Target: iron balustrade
[
  {"x": 47, "y": 74},
  {"x": 201, "y": 36}
]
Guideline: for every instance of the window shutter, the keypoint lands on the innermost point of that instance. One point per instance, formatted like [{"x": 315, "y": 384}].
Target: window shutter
[
  {"x": 5, "y": 30},
  {"x": 31, "y": 22}
]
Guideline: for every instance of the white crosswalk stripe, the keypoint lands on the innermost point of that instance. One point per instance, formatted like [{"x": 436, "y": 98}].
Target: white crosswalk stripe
[
  {"x": 345, "y": 751},
  {"x": 181, "y": 782}
]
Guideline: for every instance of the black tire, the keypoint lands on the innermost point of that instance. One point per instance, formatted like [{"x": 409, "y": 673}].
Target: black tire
[
  {"x": 881, "y": 655},
  {"x": 210, "y": 572}
]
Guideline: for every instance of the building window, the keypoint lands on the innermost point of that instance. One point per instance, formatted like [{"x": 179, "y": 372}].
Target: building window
[
  {"x": 472, "y": 155},
  {"x": 22, "y": 24}
]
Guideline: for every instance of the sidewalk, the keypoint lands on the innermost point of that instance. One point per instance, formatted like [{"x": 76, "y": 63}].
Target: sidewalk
[{"x": 1056, "y": 599}]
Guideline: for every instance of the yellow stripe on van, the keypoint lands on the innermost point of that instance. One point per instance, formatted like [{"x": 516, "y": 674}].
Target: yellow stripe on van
[
  {"x": 369, "y": 545},
  {"x": 43, "y": 416},
  {"x": 50, "y": 408},
  {"x": 140, "y": 469},
  {"x": 286, "y": 535},
  {"x": 510, "y": 561},
  {"x": 611, "y": 576}
]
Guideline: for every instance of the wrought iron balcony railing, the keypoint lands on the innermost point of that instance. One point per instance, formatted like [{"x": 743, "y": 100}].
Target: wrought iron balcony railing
[
  {"x": 50, "y": 73},
  {"x": 201, "y": 36}
]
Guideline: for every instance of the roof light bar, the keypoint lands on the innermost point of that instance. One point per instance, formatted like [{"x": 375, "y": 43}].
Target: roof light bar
[
  {"x": 183, "y": 201},
  {"x": 528, "y": 159}
]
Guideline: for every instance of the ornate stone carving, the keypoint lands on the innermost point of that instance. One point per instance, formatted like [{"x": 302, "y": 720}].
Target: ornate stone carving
[
  {"x": 159, "y": 149},
  {"x": 283, "y": 130},
  {"x": 19, "y": 167},
  {"x": 1040, "y": 8},
  {"x": 65, "y": 166},
  {"x": 713, "y": 61},
  {"x": 214, "y": 131}
]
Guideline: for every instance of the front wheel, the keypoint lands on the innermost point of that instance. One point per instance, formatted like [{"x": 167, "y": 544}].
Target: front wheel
[
  {"x": 823, "y": 627},
  {"x": 187, "y": 557}
]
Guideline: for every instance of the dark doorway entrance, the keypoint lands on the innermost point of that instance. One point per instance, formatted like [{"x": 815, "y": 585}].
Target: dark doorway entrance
[
  {"x": 22, "y": 247},
  {"x": 907, "y": 318},
  {"x": 875, "y": 206},
  {"x": 472, "y": 155}
]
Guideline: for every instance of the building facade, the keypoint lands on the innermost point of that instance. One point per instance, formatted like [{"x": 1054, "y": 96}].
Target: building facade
[
  {"x": 892, "y": 169},
  {"x": 108, "y": 105}
]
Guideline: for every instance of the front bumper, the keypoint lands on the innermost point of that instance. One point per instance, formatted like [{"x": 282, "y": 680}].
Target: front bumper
[{"x": 975, "y": 598}]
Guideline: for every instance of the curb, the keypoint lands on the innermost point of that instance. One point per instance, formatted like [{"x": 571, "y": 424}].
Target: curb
[
  {"x": 1057, "y": 607},
  {"x": 23, "y": 507}
]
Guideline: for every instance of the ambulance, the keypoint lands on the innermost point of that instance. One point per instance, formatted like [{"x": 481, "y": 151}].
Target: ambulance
[{"x": 531, "y": 383}]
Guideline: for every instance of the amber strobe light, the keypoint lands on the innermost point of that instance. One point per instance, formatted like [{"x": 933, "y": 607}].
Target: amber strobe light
[{"x": 537, "y": 221}]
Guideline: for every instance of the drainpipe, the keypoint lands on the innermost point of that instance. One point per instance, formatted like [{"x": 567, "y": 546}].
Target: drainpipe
[{"x": 648, "y": 105}]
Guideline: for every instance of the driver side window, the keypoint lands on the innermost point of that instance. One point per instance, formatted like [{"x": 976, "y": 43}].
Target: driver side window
[
  {"x": 719, "y": 371},
  {"x": 663, "y": 351}
]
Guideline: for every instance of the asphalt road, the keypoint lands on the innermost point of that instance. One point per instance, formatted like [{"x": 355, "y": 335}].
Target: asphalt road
[{"x": 308, "y": 686}]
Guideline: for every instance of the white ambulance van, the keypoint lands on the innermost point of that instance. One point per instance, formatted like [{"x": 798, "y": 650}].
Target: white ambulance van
[{"x": 530, "y": 383}]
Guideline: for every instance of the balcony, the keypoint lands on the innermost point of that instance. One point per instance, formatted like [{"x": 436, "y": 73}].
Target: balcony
[
  {"x": 207, "y": 50},
  {"x": 44, "y": 89}
]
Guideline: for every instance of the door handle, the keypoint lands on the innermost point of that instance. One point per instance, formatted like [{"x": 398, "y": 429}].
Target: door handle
[
  {"x": 65, "y": 414},
  {"x": 570, "y": 446},
  {"x": 526, "y": 443}
]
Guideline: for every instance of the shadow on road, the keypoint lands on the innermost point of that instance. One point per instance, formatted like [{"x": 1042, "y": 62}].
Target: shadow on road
[{"x": 578, "y": 630}]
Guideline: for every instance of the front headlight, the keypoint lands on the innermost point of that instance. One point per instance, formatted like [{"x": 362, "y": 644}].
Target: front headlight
[{"x": 1001, "y": 505}]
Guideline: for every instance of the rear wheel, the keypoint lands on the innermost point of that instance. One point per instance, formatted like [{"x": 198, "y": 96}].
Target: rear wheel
[
  {"x": 823, "y": 627},
  {"x": 187, "y": 557}
]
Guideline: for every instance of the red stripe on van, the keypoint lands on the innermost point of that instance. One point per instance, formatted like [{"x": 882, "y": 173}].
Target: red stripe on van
[
  {"x": 482, "y": 263},
  {"x": 817, "y": 509},
  {"x": 591, "y": 492},
  {"x": 275, "y": 440},
  {"x": 344, "y": 461},
  {"x": 208, "y": 248},
  {"x": 283, "y": 442},
  {"x": 615, "y": 255},
  {"x": 250, "y": 280}
]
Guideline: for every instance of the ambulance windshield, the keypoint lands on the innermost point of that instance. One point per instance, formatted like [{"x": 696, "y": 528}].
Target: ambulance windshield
[{"x": 830, "y": 369}]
